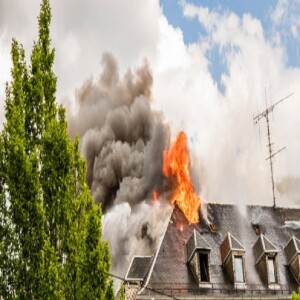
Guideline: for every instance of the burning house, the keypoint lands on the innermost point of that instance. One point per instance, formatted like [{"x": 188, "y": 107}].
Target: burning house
[
  {"x": 138, "y": 176},
  {"x": 226, "y": 253},
  {"x": 253, "y": 256}
]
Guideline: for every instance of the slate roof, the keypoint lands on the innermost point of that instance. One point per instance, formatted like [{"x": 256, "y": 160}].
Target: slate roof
[
  {"x": 138, "y": 268},
  {"x": 170, "y": 270}
]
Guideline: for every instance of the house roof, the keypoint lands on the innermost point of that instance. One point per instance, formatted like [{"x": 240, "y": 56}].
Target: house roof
[{"x": 170, "y": 268}]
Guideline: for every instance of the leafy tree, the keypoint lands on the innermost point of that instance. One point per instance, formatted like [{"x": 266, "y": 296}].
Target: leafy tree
[
  {"x": 296, "y": 296},
  {"x": 122, "y": 292},
  {"x": 95, "y": 282},
  {"x": 50, "y": 230}
]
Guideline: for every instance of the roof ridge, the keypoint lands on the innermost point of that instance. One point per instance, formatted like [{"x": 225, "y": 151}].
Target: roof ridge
[
  {"x": 195, "y": 237},
  {"x": 296, "y": 241},
  {"x": 229, "y": 239}
]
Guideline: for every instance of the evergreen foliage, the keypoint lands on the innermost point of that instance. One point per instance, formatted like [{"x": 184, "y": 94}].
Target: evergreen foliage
[
  {"x": 50, "y": 230},
  {"x": 296, "y": 296},
  {"x": 122, "y": 292}
]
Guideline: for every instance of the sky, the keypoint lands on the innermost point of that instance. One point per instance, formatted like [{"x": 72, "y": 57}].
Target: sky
[{"x": 215, "y": 64}]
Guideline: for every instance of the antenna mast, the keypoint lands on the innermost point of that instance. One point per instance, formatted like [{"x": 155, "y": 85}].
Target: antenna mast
[{"x": 256, "y": 119}]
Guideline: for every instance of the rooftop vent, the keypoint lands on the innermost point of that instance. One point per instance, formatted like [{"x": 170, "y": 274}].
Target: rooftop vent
[
  {"x": 233, "y": 260},
  {"x": 266, "y": 261},
  {"x": 256, "y": 228},
  {"x": 213, "y": 227},
  {"x": 292, "y": 252}
]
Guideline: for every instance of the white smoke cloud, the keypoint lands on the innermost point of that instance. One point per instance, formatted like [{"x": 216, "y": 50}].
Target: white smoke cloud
[
  {"x": 121, "y": 227},
  {"x": 230, "y": 160}
]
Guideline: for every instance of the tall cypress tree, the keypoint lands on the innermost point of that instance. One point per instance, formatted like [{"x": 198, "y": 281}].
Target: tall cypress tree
[
  {"x": 20, "y": 185},
  {"x": 50, "y": 229}
]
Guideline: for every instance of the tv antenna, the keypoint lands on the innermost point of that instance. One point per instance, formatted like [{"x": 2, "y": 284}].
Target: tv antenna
[{"x": 265, "y": 114}]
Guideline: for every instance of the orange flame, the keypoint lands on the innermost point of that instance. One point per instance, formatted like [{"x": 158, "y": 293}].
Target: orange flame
[
  {"x": 176, "y": 165},
  {"x": 155, "y": 195}
]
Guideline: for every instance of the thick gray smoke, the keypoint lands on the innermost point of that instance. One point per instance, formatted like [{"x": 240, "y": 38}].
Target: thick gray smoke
[{"x": 123, "y": 140}]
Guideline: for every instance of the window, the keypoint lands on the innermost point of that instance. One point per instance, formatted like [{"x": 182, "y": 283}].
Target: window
[
  {"x": 204, "y": 276},
  {"x": 239, "y": 271},
  {"x": 271, "y": 270}
]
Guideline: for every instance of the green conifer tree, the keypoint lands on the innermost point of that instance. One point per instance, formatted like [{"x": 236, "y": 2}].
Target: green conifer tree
[
  {"x": 296, "y": 296},
  {"x": 50, "y": 230},
  {"x": 122, "y": 292}
]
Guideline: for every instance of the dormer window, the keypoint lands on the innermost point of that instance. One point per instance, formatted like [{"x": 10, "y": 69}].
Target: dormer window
[
  {"x": 233, "y": 260},
  {"x": 271, "y": 270},
  {"x": 136, "y": 273},
  {"x": 292, "y": 252},
  {"x": 204, "y": 272},
  {"x": 198, "y": 259},
  {"x": 266, "y": 261},
  {"x": 239, "y": 269},
  {"x": 138, "y": 268}
]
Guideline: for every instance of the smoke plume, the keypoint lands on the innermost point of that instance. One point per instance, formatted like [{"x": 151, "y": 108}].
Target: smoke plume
[
  {"x": 123, "y": 140},
  {"x": 289, "y": 189}
]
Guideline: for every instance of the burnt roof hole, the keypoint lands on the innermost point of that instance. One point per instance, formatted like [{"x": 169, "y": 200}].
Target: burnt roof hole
[
  {"x": 144, "y": 231},
  {"x": 146, "y": 235},
  {"x": 256, "y": 228}
]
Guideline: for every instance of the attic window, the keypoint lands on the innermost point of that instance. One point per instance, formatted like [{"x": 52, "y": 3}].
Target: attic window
[
  {"x": 239, "y": 269},
  {"x": 292, "y": 252},
  {"x": 138, "y": 268},
  {"x": 233, "y": 260},
  {"x": 198, "y": 259},
  {"x": 271, "y": 270},
  {"x": 204, "y": 274},
  {"x": 266, "y": 263}
]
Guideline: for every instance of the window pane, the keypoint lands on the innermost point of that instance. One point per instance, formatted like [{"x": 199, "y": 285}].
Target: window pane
[
  {"x": 271, "y": 270},
  {"x": 204, "y": 267},
  {"x": 238, "y": 265}
]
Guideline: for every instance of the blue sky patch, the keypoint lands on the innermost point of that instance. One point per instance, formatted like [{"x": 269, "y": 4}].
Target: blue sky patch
[{"x": 260, "y": 9}]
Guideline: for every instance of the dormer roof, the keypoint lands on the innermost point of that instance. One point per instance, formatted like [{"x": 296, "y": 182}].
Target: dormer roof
[
  {"x": 292, "y": 248},
  {"x": 229, "y": 244},
  {"x": 262, "y": 246},
  {"x": 196, "y": 241}
]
